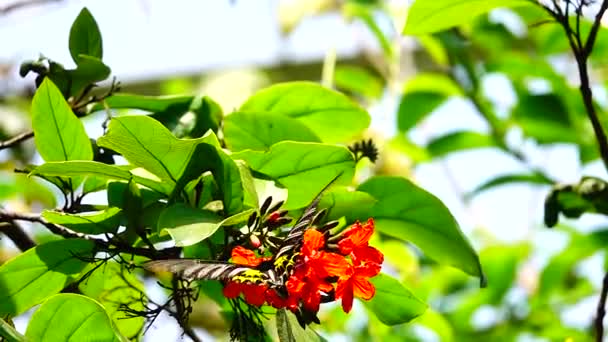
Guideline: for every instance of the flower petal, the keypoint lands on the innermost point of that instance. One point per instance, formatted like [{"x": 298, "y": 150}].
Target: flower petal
[
  {"x": 331, "y": 264},
  {"x": 367, "y": 254},
  {"x": 254, "y": 294},
  {"x": 344, "y": 291},
  {"x": 363, "y": 288},
  {"x": 232, "y": 289},
  {"x": 244, "y": 256},
  {"x": 313, "y": 241}
]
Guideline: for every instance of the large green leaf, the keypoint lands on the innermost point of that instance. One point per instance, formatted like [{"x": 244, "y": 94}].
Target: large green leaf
[
  {"x": 352, "y": 205},
  {"x": 71, "y": 317},
  {"x": 106, "y": 221},
  {"x": 393, "y": 303},
  {"x": 259, "y": 131},
  {"x": 101, "y": 170},
  {"x": 303, "y": 168},
  {"x": 210, "y": 157},
  {"x": 146, "y": 143},
  {"x": 58, "y": 133},
  {"x": 89, "y": 70},
  {"x": 188, "y": 225},
  {"x": 332, "y": 116},
  {"x": 415, "y": 106},
  {"x": 85, "y": 38},
  {"x": 166, "y": 109},
  {"x": 289, "y": 330},
  {"x": 31, "y": 277},
  {"x": 113, "y": 286},
  {"x": 359, "y": 81},
  {"x": 427, "y": 16},
  {"x": 545, "y": 118},
  {"x": 536, "y": 178},
  {"x": 410, "y": 213},
  {"x": 460, "y": 141},
  {"x": 9, "y": 333}
]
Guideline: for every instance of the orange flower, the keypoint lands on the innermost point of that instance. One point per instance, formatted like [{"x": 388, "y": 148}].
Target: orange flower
[
  {"x": 244, "y": 256},
  {"x": 355, "y": 283},
  {"x": 254, "y": 294},
  {"x": 356, "y": 243},
  {"x": 308, "y": 281}
]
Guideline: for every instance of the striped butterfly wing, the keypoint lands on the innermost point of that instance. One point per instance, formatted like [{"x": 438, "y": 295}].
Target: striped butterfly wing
[
  {"x": 194, "y": 269},
  {"x": 294, "y": 238}
]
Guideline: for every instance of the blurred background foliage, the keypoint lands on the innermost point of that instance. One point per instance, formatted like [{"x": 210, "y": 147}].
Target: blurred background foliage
[{"x": 487, "y": 116}]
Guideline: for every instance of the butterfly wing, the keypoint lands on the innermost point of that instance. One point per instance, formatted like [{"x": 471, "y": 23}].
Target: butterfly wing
[
  {"x": 294, "y": 238},
  {"x": 194, "y": 269}
]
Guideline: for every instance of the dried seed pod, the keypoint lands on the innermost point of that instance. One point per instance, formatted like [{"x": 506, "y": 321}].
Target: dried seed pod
[
  {"x": 276, "y": 206},
  {"x": 252, "y": 218}
]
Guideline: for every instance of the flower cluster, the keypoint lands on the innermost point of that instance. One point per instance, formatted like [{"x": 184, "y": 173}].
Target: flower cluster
[{"x": 322, "y": 271}]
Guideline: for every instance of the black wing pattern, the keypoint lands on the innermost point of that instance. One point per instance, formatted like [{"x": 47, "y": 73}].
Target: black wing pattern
[
  {"x": 194, "y": 269},
  {"x": 294, "y": 238}
]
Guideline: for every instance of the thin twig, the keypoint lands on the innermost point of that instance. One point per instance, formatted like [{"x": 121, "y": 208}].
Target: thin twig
[
  {"x": 601, "y": 311},
  {"x": 21, "y": 4},
  {"x": 16, "y": 140}
]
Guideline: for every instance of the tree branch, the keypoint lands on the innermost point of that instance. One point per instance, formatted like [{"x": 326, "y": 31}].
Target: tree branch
[
  {"x": 601, "y": 311},
  {"x": 16, "y": 140},
  {"x": 597, "y": 23},
  {"x": 17, "y": 234},
  {"x": 110, "y": 246}
]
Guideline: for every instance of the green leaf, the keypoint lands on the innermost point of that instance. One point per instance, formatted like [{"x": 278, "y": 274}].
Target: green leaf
[
  {"x": 393, "y": 303},
  {"x": 40, "y": 272},
  {"x": 460, "y": 141},
  {"x": 259, "y": 131},
  {"x": 101, "y": 222},
  {"x": 188, "y": 225},
  {"x": 332, "y": 116},
  {"x": 427, "y": 82},
  {"x": 545, "y": 118},
  {"x": 359, "y": 81},
  {"x": 303, "y": 168},
  {"x": 85, "y": 38},
  {"x": 250, "y": 197},
  {"x": 529, "y": 178},
  {"x": 90, "y": 70},
  {"x": 153, "y": 104},
  {"x": 427, "y": 16},
  {"x": 71, "y": 317},
  {"x": 101, "y": 170},
  {"x": 415, "y": 106},
  {"x": 289, "y": 330},
  {"x": 408, "y": 212},
  {"x": 209, "y": 157},
  {"x": 58, "y": 133},
  {"x": 146, "y": 143},
  {"x": 208, "y": 116},
  {"x": 113, "y": 286},
  {"x": 9, "y": 333},
  {"x": 353, "y": 205}
]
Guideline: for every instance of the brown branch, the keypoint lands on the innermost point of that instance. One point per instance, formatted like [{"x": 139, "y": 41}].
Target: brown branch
[
  {"x": 601, "y": 311},
  {"x": 21, "y": 4},
  {"x": 109, "y": 246},
  {"x": 16, "y": 140},
  {"x": 597, "y": 23},
  {"x": 17, "y": 234}
]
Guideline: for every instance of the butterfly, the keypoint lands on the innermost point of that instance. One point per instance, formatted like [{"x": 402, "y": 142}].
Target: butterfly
[{"x": 273, "y": 273}]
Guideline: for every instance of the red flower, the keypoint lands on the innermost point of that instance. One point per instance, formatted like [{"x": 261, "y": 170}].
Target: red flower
[
  {"x": 366, "y": 260},
  {"x": 355, "y": 283},
  {"x": 356, "y": 243},
  {"x": 308, "y": 281},
  {"x": 254, "y": 294},
  {"x": 244, "y": 256}
]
